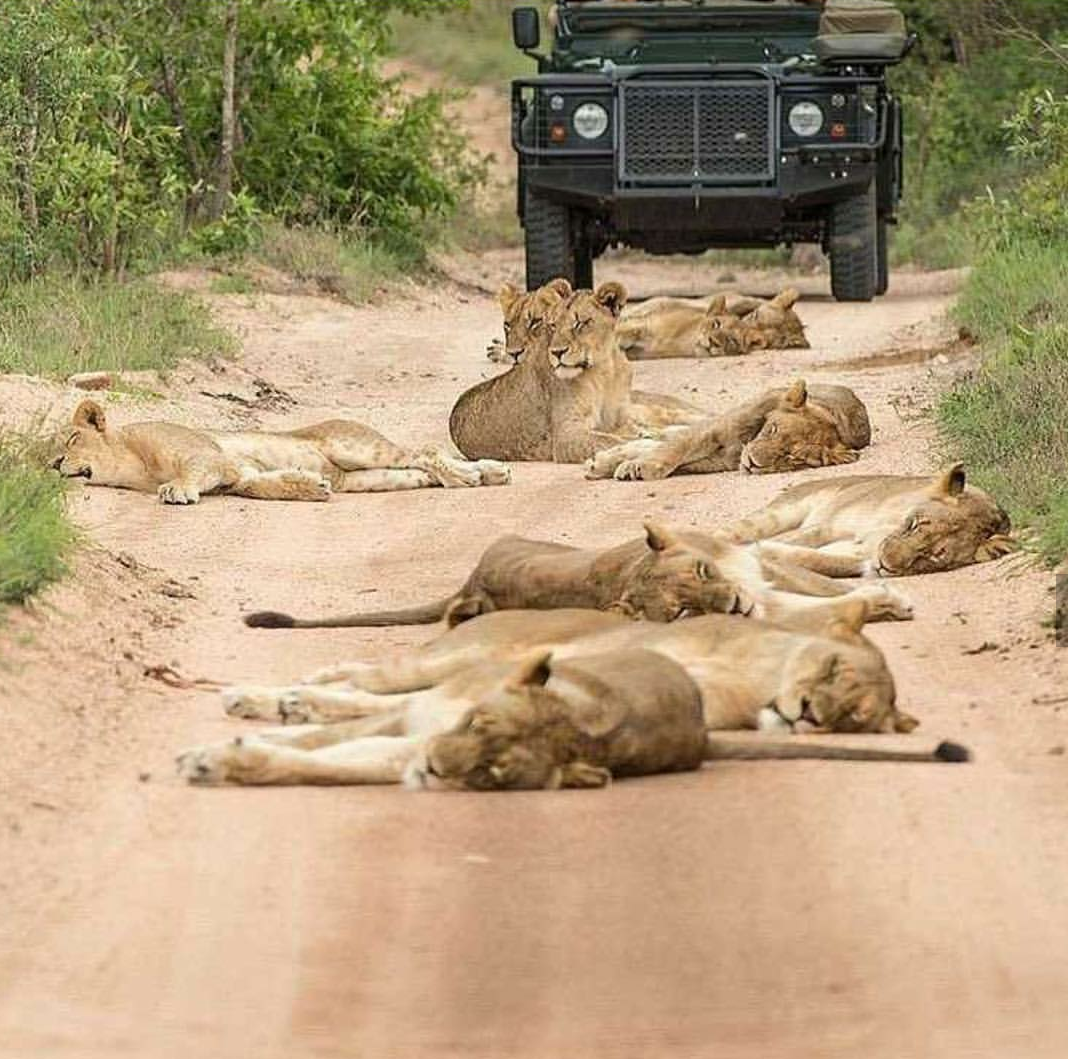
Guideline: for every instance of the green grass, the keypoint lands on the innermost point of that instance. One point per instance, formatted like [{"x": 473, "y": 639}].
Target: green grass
[
  {"x": 58, "y": 326},
  {"x": 1009, "y": 421},
  {"x": 36, "y": 536},
  {"x": 473, "y": 47},
  {"x": 349, "y": 268}
]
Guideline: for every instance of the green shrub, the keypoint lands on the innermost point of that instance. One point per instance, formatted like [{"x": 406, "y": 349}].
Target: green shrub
[{"x": 36, "y": 536}]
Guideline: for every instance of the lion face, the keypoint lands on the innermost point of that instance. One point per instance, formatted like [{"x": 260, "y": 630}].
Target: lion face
[
  {"x": 795, "y": 435},
  {"x": 582, "y": 328},
  {"x": 840, "y": 689},
  {"x": 525, "y": 316},
  {"x": 518, "y": 738},
  {"x": 86, "y": 451},
  {"x": 952, "y": 526},
  {"x": 721, "y": 333},
  {"x": 680, "y": 578}
]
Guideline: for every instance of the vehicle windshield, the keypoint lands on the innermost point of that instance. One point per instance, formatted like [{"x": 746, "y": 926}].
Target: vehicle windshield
[{"x": 644, "y": 32}]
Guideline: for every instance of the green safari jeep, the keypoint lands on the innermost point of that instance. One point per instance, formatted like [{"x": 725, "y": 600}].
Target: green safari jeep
[{"x": 676, "y": 126}]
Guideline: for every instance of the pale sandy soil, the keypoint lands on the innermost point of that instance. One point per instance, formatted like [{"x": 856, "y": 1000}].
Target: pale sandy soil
[{"x": 789, "y": 910}]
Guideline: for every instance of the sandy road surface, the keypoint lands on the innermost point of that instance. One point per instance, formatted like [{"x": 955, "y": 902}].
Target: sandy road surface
[{"x": 782, "y": 910}]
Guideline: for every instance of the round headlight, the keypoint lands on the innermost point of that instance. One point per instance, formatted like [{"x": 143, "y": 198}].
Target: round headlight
[
  {"x": 590, "y": 121},
  {"x": 806, "y": 119}
]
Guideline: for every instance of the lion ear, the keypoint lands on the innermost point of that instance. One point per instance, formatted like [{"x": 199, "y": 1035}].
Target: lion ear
[
  {"x": 532, "y": 671},
  {"x": 584, "y": 776},
  {"x": 952, "y": 482},
  {"x": 507, "y": 296},
  {"x": 904, "y": 722},
  {"x": 658, "y": 536},
  {"x": 613, "y": 296},
  {"x": 797, "y": 395},
  {"x": 786, "y": 299},
  {"x": 90, "y": 414},
  {"x": 717, "y": 306},
  {"x": 559, "y": 286}
]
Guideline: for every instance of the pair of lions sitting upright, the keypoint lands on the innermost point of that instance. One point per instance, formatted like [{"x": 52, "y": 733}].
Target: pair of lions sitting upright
[{"x": 569, "y": 398}]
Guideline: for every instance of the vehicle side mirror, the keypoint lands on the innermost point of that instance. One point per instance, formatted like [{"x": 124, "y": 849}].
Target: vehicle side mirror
[{"x": 526, "y": 28}]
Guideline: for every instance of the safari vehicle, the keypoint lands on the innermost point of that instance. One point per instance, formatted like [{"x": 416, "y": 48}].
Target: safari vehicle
[{"x": 676, "y": 126}]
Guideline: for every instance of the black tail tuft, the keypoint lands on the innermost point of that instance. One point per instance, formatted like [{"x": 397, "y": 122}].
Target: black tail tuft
[
  {"x": 953, "y": 753},
  {"x": 269, "y": 619}
]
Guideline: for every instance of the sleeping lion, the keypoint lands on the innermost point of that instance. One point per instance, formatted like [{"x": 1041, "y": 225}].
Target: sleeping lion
[
  {"x": 525, "y": 701},
  {"x": 181, "y": 464}
]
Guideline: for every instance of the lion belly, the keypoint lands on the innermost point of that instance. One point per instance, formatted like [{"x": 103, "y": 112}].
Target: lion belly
[{"x": 272, "y": 452}]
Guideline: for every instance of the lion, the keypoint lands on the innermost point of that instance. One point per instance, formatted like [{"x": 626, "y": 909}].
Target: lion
[
  {"x": 887, "y": 525},
  {"x": 485, "y": 708},
  {"x": 726, "y": 325},
  {"x": 664, "y": 576},
  {"x": 539, "y": 410},
  {"x": 182, "y": 464},
  {"x": 782, "y": 430}
]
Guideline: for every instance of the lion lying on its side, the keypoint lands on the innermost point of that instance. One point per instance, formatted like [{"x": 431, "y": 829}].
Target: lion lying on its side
[
  {"x": 526, "y": 701},
  {"x": 561, "y": 406},
  {"x": 666, "y": 575},
  {"x": 884, "y": 524},
  {"x": 181, "y": 464},
  {"x": 782, "y": 430},
  {"x": 726, "y": 325}
]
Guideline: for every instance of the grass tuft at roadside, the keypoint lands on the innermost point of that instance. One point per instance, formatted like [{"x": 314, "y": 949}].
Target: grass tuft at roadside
[
  {"x": 59, "y": 326},
  {"x": 1009, "y": 421},
  {"x": 36, "y": 535}
]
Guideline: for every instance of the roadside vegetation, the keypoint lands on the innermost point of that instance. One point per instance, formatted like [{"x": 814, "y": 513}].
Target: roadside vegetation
[{"x": 36, "y": 537}]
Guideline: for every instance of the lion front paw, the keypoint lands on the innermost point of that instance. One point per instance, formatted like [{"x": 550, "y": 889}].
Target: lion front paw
[
  {"x": 251, "y": 704},
  {"x": 640, "y": 471},
  {"x": 295, "y": 709},
  {"x": 497, "y": 352},
  {"x": 886, "y": 604},
  {"x": 176, "y": 493},
  {"x": 239, "y": 761},
  {"x": 493, "y": 472}
]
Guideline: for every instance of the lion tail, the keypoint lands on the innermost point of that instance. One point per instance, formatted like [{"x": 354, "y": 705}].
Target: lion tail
[
  {"x": 426, "y": 614},
  {"x": 760, "y": 749}
]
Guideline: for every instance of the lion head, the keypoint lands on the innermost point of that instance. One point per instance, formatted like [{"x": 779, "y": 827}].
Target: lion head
[
  {"x": 952, "y": 524},
  {"x": 87, "y": 451},
  {"x": 519, "y": 737},
  {"x": 777, "y": 323},
  {"x": 678, "y": 577},
  {"x": 796, "y": 434},
  {"x": 582, "y": 328},
  {"x": 840, "y": 682},
  {"x": 525, "y": 316},
  {"x": 722, "y": 333}
]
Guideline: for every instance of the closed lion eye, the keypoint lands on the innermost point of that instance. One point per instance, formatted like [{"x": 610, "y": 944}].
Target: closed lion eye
[{"x": 704, "y": 572}]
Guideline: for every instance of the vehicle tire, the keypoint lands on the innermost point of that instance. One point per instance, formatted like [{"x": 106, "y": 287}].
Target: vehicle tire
[
  {"x": 882, "y": 258},
  {"x": 550, "y": 244},
  {"x": 853, "y": 248}
]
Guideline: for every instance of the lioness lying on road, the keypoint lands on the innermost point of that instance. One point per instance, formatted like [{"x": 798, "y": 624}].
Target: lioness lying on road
[
  {"x": 782, "y": 430},
  {"x": 884, "y": 524},
  {"x": 666, "y": 575},
  {"x": 560, "y": 406},
  {"x": 526, "y": 701},
  {"x": 181, "y": 464},
  {"x": 726, "y": 325}
]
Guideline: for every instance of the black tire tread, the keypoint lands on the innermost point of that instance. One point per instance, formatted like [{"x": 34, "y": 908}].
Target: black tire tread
[{"x": 853, "y": 248}]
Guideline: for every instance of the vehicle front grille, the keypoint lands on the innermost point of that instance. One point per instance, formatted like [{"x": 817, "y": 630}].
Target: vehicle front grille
[{"x": 721, "y": 132}]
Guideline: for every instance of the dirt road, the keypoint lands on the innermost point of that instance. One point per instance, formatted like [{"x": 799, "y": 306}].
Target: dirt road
[{"x": 758, "y": 911}]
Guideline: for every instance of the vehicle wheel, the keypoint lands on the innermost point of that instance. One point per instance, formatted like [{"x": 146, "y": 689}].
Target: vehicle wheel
[
  {"x": 882, "y": 258},
  {"x": 854, "y": 250},
  {"x": 550, "y": 246}
]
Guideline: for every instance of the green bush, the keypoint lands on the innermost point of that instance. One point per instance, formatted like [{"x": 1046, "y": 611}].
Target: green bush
[{"x": 36, "y": 537}]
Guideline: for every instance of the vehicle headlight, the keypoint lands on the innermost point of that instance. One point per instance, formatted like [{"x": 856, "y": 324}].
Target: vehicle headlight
[
  {"x": 806, "y": 119},
  {"x": 590, "y": 121}
]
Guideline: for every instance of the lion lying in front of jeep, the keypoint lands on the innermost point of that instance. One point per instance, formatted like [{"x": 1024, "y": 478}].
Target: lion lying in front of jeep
[
  {"x": 181, "y": 464},
  {"x": 532, "y": 700}
]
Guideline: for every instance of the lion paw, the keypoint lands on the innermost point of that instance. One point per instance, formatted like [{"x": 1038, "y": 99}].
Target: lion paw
[
  {"x": 295, "y": 710},
  {"x": 251, "y": 704},
  {"x": 886, "y": 604},
  {"x": 176, "y": 493},
  {"x": 497, "y": 352},
  {"x": 493, "y": 472},
  {"x": 239, "y": 761},
  {"x": 447, "y": 472},
  {"x": 639, "y": 471}
]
